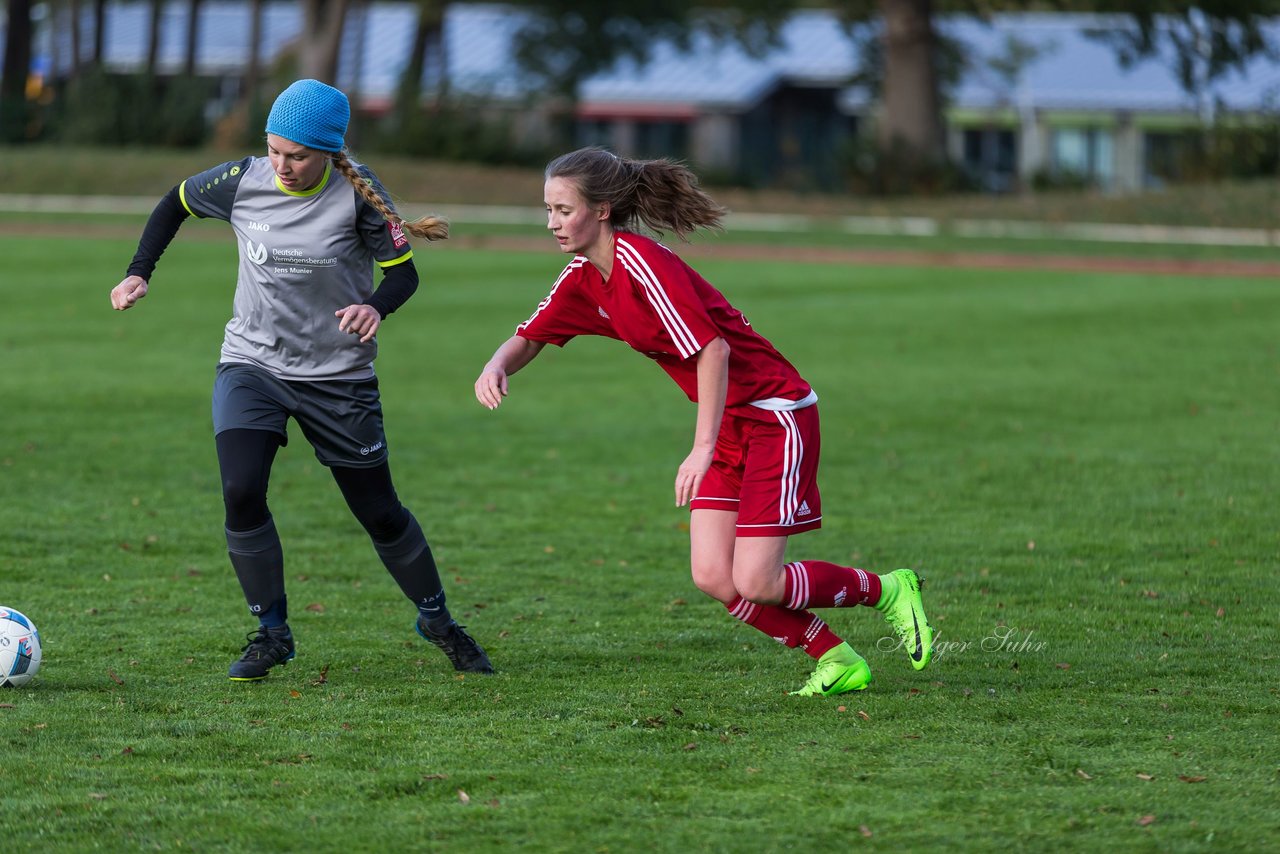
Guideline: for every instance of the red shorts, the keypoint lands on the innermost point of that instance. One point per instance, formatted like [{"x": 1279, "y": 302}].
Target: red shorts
[{"x": 766, "y": 469}]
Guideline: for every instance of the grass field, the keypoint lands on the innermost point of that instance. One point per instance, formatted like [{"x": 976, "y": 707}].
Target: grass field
[{"x": 1082, "y": 466}]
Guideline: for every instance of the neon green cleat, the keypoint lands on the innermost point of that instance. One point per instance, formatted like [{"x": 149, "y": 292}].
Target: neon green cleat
[
  {"x": 839, "y": 670},
  {"x": 904, "y": 610}
]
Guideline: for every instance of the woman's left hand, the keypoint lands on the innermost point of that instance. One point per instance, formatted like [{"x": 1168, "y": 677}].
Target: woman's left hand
[{"x": 362, "y": 320}]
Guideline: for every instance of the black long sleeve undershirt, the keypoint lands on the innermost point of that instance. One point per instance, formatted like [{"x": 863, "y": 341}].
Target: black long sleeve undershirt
[
  {"x": 399, "y": 282},
  {"x": 163, "y": 224}
]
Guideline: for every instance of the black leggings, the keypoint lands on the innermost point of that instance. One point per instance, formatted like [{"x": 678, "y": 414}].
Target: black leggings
[{"x": 245, "y": 458}]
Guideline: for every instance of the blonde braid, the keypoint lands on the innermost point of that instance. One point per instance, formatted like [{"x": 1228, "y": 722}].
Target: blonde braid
[{"x": 427, "y": 227}]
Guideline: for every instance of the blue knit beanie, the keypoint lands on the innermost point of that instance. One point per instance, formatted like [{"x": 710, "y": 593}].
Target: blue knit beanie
[{"x": 311, "y": 113}]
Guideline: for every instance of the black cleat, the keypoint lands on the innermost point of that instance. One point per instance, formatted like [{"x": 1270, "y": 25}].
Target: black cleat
[
  {"x": 265, "y": 649},
  {"x": 462, "y": 649}
]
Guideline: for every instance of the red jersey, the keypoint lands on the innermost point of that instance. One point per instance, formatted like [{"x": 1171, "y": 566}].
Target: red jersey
[{"x": 660, "y": 306}]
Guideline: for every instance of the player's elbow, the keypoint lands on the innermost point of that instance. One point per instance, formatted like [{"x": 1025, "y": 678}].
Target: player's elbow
[{"x": 719, "y": 349}]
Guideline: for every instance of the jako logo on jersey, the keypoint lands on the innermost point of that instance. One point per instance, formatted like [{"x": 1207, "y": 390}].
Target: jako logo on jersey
[
  {"x": 376, "y": 446},
  {"x": 257, "y": 255},
  {"x": 804, "y": 509},
  {"x": 397, "y": 234},
  {"x": 603, "y": 313},
  {"x": 259, "y": 226}
]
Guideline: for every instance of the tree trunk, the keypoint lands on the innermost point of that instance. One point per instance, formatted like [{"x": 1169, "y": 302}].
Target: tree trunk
[
  {"x": 322, "y": 23},
  {"x": 912, "y": 120},
  {"x": 153, "y": 36},
  {"x": 13, "y": 78},
  {"x": 77, "y": 38},
  {"x": 99, "y": 26},
  {"x": 193, "y": 39},
  {"x": 253, "y": 64},
  {"x": 427, "y": 41}
]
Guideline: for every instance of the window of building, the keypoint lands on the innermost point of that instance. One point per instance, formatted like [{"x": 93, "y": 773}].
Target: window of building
[
  {"x": 1084, "y": 153},
  {"x": 662, "y": 139},
  {"x": 991, "y": 158}
]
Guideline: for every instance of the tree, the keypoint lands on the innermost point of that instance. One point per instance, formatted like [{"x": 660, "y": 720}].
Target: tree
[
  {"x": 193, "y": 38},
  {"x": 153, "y": 36},
  {"x": 322, "y": 25},
  {"x": 566, "y": 41},
  {"x": 1207, "y": 39},
  {"x": 99, "y": 27},
  {"x": 911, "y": 119},
  {"x": 13, "y": 78},
  {"x": 77, "y": 38},
  {"x": 427, "y": 45}
]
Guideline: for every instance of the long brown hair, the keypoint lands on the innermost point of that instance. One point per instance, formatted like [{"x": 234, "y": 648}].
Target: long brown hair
[
  {"x": 662, "y": 194},
  {"x": 427, "y": 227}
]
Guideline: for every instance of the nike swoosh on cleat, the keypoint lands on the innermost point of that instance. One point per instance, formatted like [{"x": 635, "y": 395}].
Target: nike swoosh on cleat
[
  {"x": 827, "y": 688},
  {"x": 915, "y": 624}
]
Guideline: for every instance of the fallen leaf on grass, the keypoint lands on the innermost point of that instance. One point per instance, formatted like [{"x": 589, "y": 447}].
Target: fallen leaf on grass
[
  {"x": 295, "y": 693},
  {"x": 1063, "y": 666},
  {"x": 464, "y": 797},
  {"x": 6, "y": 705},
  {"x": 1184, "y": 778},
  {"x": 1083, "y": 776},
  {"x": 97, "y": 796},
  {"x": 114, "y": 678},
  {"x": 864, "y": 715},
  {"x": 864, "y": 830},
  {"x": 1146, "y": 820},
  {"x": 323, "y": 677},
  {"x": 842, "y": 708},
  {"x": 693, "y": 745},
  {"x": 1145, "y": 777},
  {"x": 316, "y": 608}
]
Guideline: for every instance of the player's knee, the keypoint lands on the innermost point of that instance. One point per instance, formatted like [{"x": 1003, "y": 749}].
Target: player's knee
[
  {"x": 757, "y": 588},
  {"x": 385, "y": 520},
  {"x": 246, "y": 503},
  {"x": 717, "y": 584}
]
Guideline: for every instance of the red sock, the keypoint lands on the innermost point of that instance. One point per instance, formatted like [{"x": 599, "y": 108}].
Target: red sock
[
  {"x": 790, "y": 628},
  {"x": 818, "y": 584}
]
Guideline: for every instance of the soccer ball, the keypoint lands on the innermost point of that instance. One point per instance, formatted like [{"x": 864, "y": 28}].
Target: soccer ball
[{"x": 19, "y": 648}]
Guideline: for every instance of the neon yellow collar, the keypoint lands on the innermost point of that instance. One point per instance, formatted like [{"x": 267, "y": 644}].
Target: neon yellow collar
[{"x": 328, "y": 167}]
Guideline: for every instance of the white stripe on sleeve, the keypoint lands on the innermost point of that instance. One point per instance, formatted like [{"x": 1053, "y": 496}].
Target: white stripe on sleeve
[{"x": 686, "y": 343}]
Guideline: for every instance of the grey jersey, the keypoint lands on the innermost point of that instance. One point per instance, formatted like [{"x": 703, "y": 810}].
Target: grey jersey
[{"x": 303, "y": 256}]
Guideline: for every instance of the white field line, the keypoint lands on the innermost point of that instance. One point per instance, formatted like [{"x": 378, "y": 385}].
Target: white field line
[{"x": 907, "y": 226}]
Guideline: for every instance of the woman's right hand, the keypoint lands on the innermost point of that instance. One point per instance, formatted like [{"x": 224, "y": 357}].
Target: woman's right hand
[
  {"x": 125, "y": 294},
  {"x": 491, "y": 387},
  {"x": 514, "y": 354}
]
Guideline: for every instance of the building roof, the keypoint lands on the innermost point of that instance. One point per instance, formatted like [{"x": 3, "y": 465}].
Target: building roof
[{"x": 1073, "y": 69}]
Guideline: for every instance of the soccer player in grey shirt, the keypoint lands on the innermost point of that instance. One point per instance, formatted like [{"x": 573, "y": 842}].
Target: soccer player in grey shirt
[{"x": 300, "y": 344}]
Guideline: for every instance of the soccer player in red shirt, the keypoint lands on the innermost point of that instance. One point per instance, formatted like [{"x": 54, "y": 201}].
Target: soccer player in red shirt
[{"x": 751, "y": 478}]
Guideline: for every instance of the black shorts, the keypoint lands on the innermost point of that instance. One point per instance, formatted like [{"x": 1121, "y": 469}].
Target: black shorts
[{"x": 342, "y": 419}]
